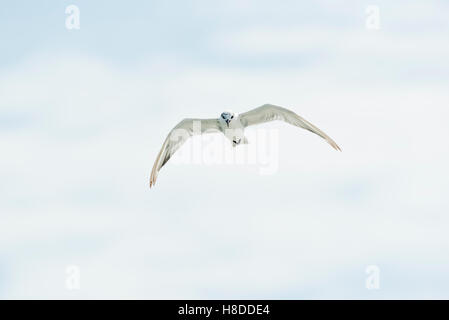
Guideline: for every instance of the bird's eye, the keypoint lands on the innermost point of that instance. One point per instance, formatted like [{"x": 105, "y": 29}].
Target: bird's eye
[{"x": 232, "y": 117}]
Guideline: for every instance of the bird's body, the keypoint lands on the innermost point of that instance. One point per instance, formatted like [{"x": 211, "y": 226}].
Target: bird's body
[
  {"x": 234, "y": 130},
  {"x": 232, "y": 125}
]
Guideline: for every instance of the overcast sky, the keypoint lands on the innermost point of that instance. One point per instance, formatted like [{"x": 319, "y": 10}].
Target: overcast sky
[{"x": 84, "y": 112}]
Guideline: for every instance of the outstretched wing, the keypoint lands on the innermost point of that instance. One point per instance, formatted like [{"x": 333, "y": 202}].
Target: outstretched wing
[
  {"x": 269, "y": 112},
  {"x": 176, "y": 138}
]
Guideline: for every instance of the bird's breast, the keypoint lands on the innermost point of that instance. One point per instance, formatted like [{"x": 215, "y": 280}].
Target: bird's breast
[{"x": 235, "y": 131}]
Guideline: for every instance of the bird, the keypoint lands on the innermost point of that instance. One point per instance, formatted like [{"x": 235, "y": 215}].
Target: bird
[{"x": 232, "y": 125}]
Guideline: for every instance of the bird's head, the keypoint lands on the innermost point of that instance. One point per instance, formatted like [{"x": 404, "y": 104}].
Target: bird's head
[{"x": 227, "y": 116}]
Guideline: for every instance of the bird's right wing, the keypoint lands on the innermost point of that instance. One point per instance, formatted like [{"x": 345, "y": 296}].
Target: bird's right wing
[
  {"x": 176, "y": 138},
  {"x": 269, "y": 112}
]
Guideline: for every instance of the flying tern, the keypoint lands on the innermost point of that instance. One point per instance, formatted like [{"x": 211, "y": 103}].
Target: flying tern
[{"x": 232, "y": 125}]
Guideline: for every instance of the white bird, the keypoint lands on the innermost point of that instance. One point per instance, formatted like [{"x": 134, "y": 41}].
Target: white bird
[{"x": 232, "y": 125}]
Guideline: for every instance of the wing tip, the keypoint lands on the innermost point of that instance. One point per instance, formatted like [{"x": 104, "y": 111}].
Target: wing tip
[
  {"x": 152, "y": 180},
  {"x": 334, "y": 145}
]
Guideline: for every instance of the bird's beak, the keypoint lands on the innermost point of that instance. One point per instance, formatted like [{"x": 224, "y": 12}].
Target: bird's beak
[{"x": 227, "y": 122}]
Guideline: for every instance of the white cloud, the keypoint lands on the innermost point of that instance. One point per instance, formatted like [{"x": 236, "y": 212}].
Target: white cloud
[
  {"x": 79, "y": 136},
  {"x": 76, "y": 191}
]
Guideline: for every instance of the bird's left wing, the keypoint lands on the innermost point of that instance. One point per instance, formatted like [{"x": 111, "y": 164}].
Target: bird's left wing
[
  {"x": 269, "y": 112},
  {"x": 176, "y": 138}
]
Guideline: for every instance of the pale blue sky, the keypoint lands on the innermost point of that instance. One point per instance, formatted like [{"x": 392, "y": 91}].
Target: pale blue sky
[{"x": 83, "y": 114}]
